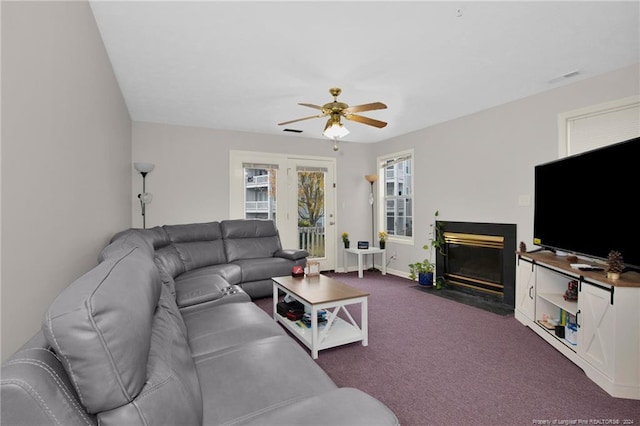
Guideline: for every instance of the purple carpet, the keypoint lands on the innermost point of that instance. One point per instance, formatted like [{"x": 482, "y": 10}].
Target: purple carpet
[{"x": 434, "y": 361}]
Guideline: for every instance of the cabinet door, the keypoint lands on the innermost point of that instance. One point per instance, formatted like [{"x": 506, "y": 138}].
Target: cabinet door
[
  {"x": 596, "y": 337},
  {"x": 525, "y": 288}
]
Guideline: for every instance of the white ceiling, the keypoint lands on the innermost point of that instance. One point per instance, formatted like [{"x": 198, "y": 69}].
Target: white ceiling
[{"x": 245, "y": 65}]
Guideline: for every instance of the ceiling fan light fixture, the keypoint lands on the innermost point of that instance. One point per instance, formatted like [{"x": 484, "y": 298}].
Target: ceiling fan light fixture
[{"x": 336, "y": 130}]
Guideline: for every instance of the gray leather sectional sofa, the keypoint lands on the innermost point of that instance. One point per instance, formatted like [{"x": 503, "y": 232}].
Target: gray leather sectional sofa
[{"x": 142, "y": 339}]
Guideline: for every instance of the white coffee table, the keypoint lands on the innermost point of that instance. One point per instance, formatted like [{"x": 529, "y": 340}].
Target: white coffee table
[
  {"x": 362, "y": 252},
  {"x": 317, "y": 293}
]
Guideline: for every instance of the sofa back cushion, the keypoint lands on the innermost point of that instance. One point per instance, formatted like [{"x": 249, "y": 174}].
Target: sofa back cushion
[
  {"x": 197, "y": 244},
  {"x": 157, "y": 236},
  {"x": 249, "y": 238},
  {"x": 123, "y": 346},
  {"x": 100, "y": 326},
  {"x": 170, "y": 265},
  {"x": 36, "y": 390},
  {"x": 171, "y": 394},
  {"x": 125, "y": 240},
  {"x": 147, "y": 239}
]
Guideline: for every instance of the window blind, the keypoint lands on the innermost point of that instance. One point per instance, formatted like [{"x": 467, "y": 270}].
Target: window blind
[
  {"x": 601, "y": 128},
  {"x": 312, "y": 169},
  {"x": 259, "y": 166},
  {"x": 393, "y": 161}
]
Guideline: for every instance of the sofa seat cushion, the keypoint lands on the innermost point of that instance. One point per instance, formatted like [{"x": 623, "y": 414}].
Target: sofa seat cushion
[
  {"x": 199, "y": 289},
  {"x": 348, "y": 406},
  {"x": 230, "y": 272},
  {"x": 264, "y": 268},
  {"x": 226, "y": 326},
  {"x": 258, "y": 376}
]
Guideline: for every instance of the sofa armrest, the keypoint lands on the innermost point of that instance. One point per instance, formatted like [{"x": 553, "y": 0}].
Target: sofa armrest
[{"x": 291, "y": 254}]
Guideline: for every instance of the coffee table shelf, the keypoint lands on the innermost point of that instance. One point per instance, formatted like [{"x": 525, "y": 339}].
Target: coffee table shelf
[
  {"x": 340, "y": 333},
  {"x": 323, "y": 293}
]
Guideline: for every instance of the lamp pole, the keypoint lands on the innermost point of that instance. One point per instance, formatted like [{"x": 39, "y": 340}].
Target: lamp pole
[
  {"x": 373, "y": 231},
  {"x": 371, "y": 179},
  {"x": 144, "y": 197},
  {"x": 142, "y": 203}
]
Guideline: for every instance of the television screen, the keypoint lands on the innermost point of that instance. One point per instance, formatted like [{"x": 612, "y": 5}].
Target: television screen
[{"x": 586, "y": 204}]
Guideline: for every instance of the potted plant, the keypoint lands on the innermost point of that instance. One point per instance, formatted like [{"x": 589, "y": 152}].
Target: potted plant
[
  {"x": 382, "y": 237},
  {"x": 345, "y": 239},
  {"x": 424, "y": 270}
]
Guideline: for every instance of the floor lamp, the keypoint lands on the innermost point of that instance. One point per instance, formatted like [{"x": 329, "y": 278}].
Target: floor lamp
[
  {"x": 144, "y": 197},
  {"x": 371, "y": 179}
]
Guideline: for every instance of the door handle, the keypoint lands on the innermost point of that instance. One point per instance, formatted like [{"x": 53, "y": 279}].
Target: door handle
[{"x": 332, "y": 223}]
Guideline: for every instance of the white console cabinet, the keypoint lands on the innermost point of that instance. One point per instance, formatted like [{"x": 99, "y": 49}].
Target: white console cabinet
[
  {"x": 607, "y": 314},
  {"x": 525, "y": 290}
]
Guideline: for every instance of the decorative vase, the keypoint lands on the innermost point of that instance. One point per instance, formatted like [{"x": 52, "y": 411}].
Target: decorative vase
[
  {"x": 382, "y": 244},
  {"x": 613, "y": 275},
  {"x": 425, "y": 279},
  {"x": 346, "y": 244}
]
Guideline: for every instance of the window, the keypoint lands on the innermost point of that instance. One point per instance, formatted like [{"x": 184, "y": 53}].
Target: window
[
  {"x": 260, "y": 191},
  {"x": 396, "y": 183},
  {"x": 599, "y": 125}
]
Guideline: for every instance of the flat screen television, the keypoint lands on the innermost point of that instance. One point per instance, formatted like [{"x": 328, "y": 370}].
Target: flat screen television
[{"x": 587, "y": 204}]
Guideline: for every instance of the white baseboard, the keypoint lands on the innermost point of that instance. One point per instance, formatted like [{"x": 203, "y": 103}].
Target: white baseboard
[{"x": 390, "y": 271}]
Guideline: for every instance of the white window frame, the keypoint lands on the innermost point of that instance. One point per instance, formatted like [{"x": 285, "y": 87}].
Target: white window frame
[
  {"x": 615, "y": 128},
  {"x": 382, "y": 215}
]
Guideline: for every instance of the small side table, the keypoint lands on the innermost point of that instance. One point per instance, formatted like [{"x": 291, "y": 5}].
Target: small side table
[{"x": 360, "y": 252}]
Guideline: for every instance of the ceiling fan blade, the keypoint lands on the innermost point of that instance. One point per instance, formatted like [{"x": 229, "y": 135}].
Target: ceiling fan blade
[
  {"x": 301, "y": 119},
  {"x": 365, "y": 107},
  {"x": 312, "y": 106},
  {"x": 329, "y": 123},
  {"x": 365, "y": 120}
]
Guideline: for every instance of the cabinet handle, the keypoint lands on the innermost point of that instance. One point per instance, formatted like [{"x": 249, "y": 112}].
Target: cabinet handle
[
  {"x": 577, "y": 317},
  {"x": 530, "y": 290}
]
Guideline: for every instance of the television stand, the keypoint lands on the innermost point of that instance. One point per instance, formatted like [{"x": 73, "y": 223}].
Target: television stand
[{"x": 601, "y": 329}]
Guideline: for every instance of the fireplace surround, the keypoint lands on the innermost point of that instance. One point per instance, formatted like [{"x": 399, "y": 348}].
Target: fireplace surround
[{"x": 479, "y": 259}]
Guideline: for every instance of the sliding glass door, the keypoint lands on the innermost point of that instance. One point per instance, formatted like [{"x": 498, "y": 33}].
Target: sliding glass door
[{"x": 298, "y": 193}]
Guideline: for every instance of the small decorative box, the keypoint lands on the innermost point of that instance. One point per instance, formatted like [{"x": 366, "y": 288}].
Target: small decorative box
[
  {"x": 297, "y": 271},
  {"x": 312, "y": 268},
  {"x": 363, "y": 245}
]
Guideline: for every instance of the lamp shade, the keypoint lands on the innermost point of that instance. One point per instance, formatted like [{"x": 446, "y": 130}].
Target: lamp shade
[
  {"x": 144, "y": 167},
  {"x": 336, "y": 130},
  {"x": 371, "y": 178},
  {"x": 145, "y": 198}
]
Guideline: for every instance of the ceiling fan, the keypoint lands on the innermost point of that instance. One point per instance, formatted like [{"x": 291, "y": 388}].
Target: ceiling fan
[{"x": 335, "y": 110}]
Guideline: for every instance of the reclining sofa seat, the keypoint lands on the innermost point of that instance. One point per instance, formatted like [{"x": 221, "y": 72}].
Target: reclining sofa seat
[
  {"x": 115, "y": 349},
  {"x": 203, "y": 261},
  {"x": 254, "y": 246}
]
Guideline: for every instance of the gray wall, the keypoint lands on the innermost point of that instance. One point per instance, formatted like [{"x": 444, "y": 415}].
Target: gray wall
[
  {"x": 190, "y": 182},
  {"x": 66, "y": 157},
  {"x": 475, "y": 168}
]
